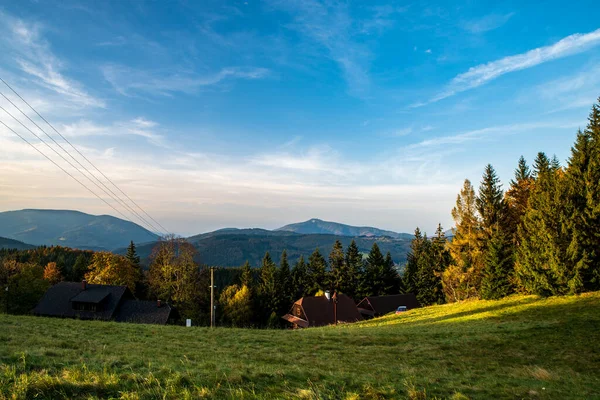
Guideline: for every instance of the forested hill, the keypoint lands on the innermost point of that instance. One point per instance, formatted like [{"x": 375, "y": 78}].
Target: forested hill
[
  {"x": 6, "y": 243},
  {"x": 326, "y": 227},
  {"x": 71, "y": 229},
  {"x": 232, "y": 247}
]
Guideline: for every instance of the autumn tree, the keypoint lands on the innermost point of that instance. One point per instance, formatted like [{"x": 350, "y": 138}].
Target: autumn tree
[
  {"x": 236, "y": 305},
  {"x": 52, "y": 274},
  {"x": 461, "y": 280},
  {"x": 111, "y": 269}
]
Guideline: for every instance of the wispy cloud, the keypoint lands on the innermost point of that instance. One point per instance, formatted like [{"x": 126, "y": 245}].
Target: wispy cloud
[
  {"x": 128, "y": 81},
  {"x": 484, "y": 73},
  {"x": 331, "y": 26},
  {"x": 136, "y": 127},
  {"x": 487, "y": 23},
  {"x": 32, "y": 54}
]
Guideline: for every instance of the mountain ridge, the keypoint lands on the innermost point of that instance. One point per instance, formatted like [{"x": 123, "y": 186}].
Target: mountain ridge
[{"x": 319, "y": 226}]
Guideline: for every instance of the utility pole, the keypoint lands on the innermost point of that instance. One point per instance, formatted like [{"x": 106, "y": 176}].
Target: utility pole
[{"x": 212, "y": 297}]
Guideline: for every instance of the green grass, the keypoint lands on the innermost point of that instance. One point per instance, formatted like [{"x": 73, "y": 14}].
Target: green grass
[{"x": 519, "y": 347}]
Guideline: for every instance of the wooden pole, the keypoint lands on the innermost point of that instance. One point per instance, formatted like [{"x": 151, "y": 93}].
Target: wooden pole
[{"x": 212, "y": 297}]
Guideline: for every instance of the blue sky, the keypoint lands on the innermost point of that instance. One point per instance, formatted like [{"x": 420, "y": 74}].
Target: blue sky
[{"x": 262, "y": 113}]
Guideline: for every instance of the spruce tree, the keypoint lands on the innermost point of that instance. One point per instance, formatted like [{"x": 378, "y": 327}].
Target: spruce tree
[
  {"x": 267, "y": 289},
  {"x": 392, "y": 282},
  {"x": 541, "y": 165},
  {"x": 132, "y": 256},
  {"x": 338, "y": 272},
  {"x": 517, "y": 197},
  {"x": 247, "y": 277},
  {"x": 284, "y": 282},
  {"x": 499, "y": 266},
  {"x": 300, "y": 281},
  {"x": 412, "y": 263},
  {"x": 374, "y": 272},
  {"x": 317, "y": 273},
  {"x": 490, "y": 202},
  {"x": 354, "y": 264}
]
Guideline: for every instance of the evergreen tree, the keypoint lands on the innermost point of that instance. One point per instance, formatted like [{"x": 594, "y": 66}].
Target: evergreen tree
[
  {"x": 300, "y": 281},
  {"x": 338, "y": 272},
  {"x": 317, "y": 273},
  {"x": 499, "y": 267},
  {"x": 284, "y": 282},
  {"x": 517, "y": 197},
  {"x": 490, "y": 202},
  {"x": 267, "y": 289},
  {"x": 540, "y": 266},
  {"x": 132, "y": 256},
  {"x": 354, "y": 263},
  {"x": 247, "y": 277},
  {"x": 374, "y": 272},
  {"x": 392, "y": 282},
  {"x": 412, "y": 263}
]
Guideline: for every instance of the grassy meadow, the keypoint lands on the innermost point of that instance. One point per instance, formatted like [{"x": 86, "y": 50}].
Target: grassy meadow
[{"x": 519, "y": 347}]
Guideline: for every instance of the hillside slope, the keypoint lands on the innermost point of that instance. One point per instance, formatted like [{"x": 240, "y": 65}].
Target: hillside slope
[
  {"x": 232, "y": 247},
  {"x": 516, "y": 348},
  {"x": 318, "y": 226},
  {"x": 72, "y": 229},
  {"x": 6, "y": 243}
]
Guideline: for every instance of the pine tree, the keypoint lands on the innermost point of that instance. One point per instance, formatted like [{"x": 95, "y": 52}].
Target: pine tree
[
  {"x": 355, "y": 266},
  {"x": 541, "y": 165},
  {"x": 517, "y": 197},
  {"x": 412, "y": 263},
  {"x": 338, "y": 272},
  {"x": 490, "y": 202},
  {"x": 132, "y": 256},
  {"x": 499, "y": 267},
  {"x": 247, "y": 277},
  {"x": 284, "y": 282},
  {"x": 300, "y": 281},
  {"x": 392, "y": 282},
  {"x": 317, "y": 273},
  {"x": 267, "y": 289},
  {"x": 374, "y": 272}
]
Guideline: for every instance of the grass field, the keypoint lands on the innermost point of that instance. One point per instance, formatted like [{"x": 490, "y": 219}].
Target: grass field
[{"x": 519, "y": 347}]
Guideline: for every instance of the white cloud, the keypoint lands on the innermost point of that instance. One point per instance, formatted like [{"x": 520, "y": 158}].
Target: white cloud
[
  {"x": 128, "y": 81},
  {"x": 484, "y": 73},
  {"x": 487, "y": 23},
  {"x": 25, "y": 48}
]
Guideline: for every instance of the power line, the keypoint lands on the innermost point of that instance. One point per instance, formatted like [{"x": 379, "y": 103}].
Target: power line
[
  {"x": 64, "y": 170},
  {"x": 113, "y": 196},
  {"x": 84, "y": 157}
]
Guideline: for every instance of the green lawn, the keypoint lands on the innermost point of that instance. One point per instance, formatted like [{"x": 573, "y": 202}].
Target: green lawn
[{"x": 519, "y": 347}]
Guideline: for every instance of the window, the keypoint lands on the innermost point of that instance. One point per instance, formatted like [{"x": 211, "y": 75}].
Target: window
[{"x": 79, "y": 306}]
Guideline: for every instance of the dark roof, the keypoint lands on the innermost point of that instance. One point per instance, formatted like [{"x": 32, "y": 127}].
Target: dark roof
[
  {"x": 319, "y": 311},
  {"x": 143, "y": 312},
  {"x": 92, "y": 295},
  {"x": 381, "y": 305},
  {"x": 57, "y": 301}
]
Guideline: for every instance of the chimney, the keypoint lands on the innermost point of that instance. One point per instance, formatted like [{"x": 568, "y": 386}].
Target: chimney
[
  {"x": 158, "y": 303},
  {"x": 83, "y": 284}
]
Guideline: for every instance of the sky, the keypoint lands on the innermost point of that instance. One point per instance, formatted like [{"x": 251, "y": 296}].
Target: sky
[{"x": 250, "y": 113}]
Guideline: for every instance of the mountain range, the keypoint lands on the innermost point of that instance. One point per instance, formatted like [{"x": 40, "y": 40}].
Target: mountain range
[{"x": 223, "y": 247}]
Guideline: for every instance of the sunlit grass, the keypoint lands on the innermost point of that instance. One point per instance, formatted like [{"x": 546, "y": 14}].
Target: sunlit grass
[{"x": 519, "y": 347}]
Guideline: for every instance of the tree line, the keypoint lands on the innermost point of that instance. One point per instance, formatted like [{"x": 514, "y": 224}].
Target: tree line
[{"x": 538, "y": 237}]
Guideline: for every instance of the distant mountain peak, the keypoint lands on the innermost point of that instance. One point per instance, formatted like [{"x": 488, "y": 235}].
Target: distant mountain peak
[{"x": 319, "y": 226}]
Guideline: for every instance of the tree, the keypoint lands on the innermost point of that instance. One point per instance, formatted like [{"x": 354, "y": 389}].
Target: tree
[
  {"x": 175, "y": 277},
  {"x": 317, "y": 273},
  {"x": 284, "y": 282},
  {"x": 490, "y": 202},
  {"x": 300, "y": 281},
  {"x": 132, "y": 256},
  {"x": 381, "y": 278},
  {"x": 236, "y": 303},
  {"x": 412, "y": 263},
  {"x": 339, "y": 278},
  {"x": 392, "y": 282},
  {"x": 80, "y": 268},
  {"x": 462, "y": 279},
  {"x": 247, "y": 277},
  {"x": 517, "y": 197},
  {"x": 111, "y": 269},
  {"x": 52, "y": 273},
  {"x": 499, "y": 266},
  {"x": 354, "y": 286},
  {"x": 267, "y": 288}
]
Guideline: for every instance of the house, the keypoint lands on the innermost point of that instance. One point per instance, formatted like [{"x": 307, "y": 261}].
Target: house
[
  {"x": 100, "y": 302},
  {"x": 375, "y": 306},
  {"x": 313, "y": 311}
]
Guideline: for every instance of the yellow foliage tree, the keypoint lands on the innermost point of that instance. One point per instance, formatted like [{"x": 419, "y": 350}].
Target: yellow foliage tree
[
  {"x": 52, "y": 273},
  {"x": 111, "y": 269},
  {"x": 236, "y": 303}
]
